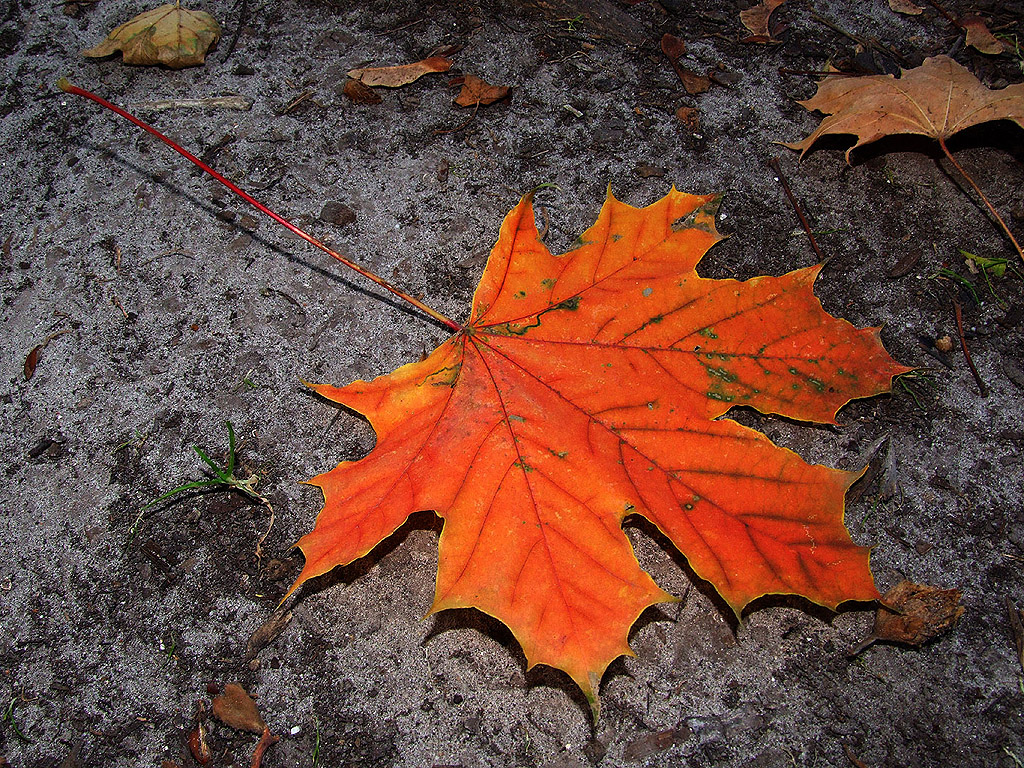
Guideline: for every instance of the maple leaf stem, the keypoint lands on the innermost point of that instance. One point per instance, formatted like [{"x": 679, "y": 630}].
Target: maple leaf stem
[
  {"x": 976, "y": 188},
  {"x": 67, "y": 87}
]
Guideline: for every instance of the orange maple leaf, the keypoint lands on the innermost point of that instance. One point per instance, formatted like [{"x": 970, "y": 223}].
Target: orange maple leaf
[{"x": 587, "y": 387}]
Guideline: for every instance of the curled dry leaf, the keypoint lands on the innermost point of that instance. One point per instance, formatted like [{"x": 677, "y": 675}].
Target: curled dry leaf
[
  {"x": 756, "y": 19},
  {"x": 31, "y": 361},
  {"x": 588, "y": 387},
  {"x": 170, "y": 35},
  {"x": 913, "y": 614},
  {"x": 979, "y": 37},
  {"x": 478, "y": 92},
  {"x": 403, "y": 74},
  {"x": 236, "y": 709}
]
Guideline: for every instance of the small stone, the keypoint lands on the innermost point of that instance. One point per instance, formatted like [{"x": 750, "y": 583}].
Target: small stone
[{"x": 337, "y": 214}]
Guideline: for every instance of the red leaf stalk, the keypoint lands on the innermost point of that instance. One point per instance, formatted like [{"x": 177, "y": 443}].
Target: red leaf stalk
[{"x": 67, "y": 87}]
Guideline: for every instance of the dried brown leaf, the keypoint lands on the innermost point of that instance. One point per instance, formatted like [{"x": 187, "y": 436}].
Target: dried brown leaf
[
  {"x": 979, "y": 37},
  {"x": 913, "y": 614},
  {"x": 403, "y": 74},
  {"x": 361, "y": 93},
  {"x": 672, "y": 46},
  {"x": 267, "y": 632},
  {"x": 689, "y": 117},
  {"x": 693, "y": 82},
  {"x": 31, "y": 361},
  {"x": 756, "y": 19},
  {"x": 170, "y": 35},
  {"x": 905, "y": 7},
  {"x": 478, "y": 92},
  {"x": 937, "y": 99},
  {"x": 235, "y": 708}
]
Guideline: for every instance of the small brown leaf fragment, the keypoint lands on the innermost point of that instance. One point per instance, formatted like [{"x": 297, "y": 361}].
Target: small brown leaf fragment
[
  {"x": 336, "y": 213},
  {"x": 913, "y": 614},
  {"x": 979, "y": 37},
  {"x": 236, "y": 709},
  {"x": 31, "y": 361},
  {"x": 361, "y": 93},
  {"x": 478, "y": 92},
  {"x": 689, "y": 117},
  {"x": 672, "y": 46},
  {"x": 854, "y": 760},
  {"x": 906, "y": 263},
  {"x": 692, "y": 82},
  {"x": 905, "y": 7},
  {"x": 403, "y": 74},
  {"x": 756, "y": 19},
  {"x": 197, "y": 745},
  {"x": 170, "y": 35},
  {"x": 267, "y": 633}
]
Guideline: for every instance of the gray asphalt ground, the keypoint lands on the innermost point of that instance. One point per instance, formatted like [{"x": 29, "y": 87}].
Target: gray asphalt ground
[{"x": 167, "y": 307}]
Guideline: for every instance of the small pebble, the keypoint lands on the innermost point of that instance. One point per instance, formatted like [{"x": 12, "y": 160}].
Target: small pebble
[{"x": 295, "y": 730}]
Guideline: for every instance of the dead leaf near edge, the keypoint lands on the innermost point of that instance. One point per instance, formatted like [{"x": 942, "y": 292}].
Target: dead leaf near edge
[
  {"x": 937, "y": 99},
  {"x": 170, "y": 35},
  {"x": 403, "y": 74},
  {"x": 478, "y": 92}
]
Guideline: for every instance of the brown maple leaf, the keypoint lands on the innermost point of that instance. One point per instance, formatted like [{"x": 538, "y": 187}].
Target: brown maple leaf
[
  {"x": 937, "y": 99},
  {"x": 587, "y": 387},
  {"x": 168, "y": 35}
]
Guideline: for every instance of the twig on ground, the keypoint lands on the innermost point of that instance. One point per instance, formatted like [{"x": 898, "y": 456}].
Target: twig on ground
[
  {"x": 977, "y": 189},
  {"x": 963, "y": 345},
  {"x": 774, "y": 163}
]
